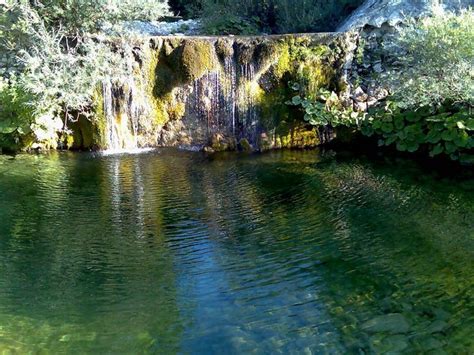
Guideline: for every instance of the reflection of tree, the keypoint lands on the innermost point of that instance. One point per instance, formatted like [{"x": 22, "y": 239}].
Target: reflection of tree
[{"x": 87, "y": 261}]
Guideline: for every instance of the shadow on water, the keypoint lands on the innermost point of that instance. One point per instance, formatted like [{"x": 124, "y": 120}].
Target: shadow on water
[{"x": 287, "y": 251}]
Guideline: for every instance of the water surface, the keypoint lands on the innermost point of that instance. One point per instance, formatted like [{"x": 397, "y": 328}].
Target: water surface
[{"x": 290, "y": 252}]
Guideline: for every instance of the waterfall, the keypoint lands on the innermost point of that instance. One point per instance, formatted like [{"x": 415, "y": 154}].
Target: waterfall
[
  {"x": 122, "y": 110},
  {"x": 225, "y": 100},
  {"x": 230, "y": 76},
  {"x": 111, "y": 131}
]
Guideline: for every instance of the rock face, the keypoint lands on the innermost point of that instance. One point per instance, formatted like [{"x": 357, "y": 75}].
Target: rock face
[
  {"x": 376, "y": 13},
  {"x": 218, "y": 93}
]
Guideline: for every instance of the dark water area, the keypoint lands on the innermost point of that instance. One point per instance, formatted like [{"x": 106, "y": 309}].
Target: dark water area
[{"x": 285, "y": 252}]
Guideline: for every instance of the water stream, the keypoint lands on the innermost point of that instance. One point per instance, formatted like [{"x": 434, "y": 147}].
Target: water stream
[{"x": 177, "y": 252}]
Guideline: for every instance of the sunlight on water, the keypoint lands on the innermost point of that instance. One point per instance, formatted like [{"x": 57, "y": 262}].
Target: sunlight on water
[
  {"x": 287, "y": 252},
  {"x": 126, "y": 151}
]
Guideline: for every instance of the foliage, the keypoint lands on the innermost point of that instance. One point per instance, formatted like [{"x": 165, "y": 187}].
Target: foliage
[
  {"x": 186, "y": 8},
  {"x": 270, "y": 16},
  {"x": 433, "y": 92},
  {"x": 16, "y": 115},
  {"x": 447, "y": 129},
  {"x": 221, "y": 23},
  {"x": 80, "y": 16},
  {"x": 325, "y": 109},
  {"x": 59, "y": 64},
  {"x": 436, "y": 60}
]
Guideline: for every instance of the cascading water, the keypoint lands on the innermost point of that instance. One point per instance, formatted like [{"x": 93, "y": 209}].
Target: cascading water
[
  {"x": 164, "y": 103},
  {"x": 122, "y": 109},
  {"x": 231, "y": 89},
  {"x": 111, "y": 134},
  {"x": 224, "y": 101}
]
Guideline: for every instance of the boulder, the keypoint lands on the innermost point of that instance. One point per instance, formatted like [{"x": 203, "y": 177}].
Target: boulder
[
  {"x": 376, "y": 13},
  {"x": 393, "y": 323}
]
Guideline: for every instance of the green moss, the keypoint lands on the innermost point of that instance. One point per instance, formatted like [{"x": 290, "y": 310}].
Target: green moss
[
  {"x": 99, "y": 121},
  {"x": 273, "y": 108},
  {"x": 301, "y": 61},
  {"x": 159, "y": 81},
  {"x": 170, "y": 44},
  {"x": 297, "y": 135},
  {"x": 245, "y": 53},
  {"x": 197, "y": 59},
  {"x": 245, "y": 145},
  {"x": 283, "y": 65},
  {"x": 224, "y": 48},
  {"x": 89, "y": 133},
  {"x": 176, "y": 64},
  {"x": 177, "y": 110}
]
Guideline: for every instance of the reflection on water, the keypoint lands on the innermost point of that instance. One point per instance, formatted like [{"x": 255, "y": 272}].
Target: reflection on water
[{"x": 283, "y": 252}]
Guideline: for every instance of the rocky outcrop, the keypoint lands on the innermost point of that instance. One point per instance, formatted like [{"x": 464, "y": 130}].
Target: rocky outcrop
[
  {"x": 376, "y": 13},
  {"x": 219, "y": 93}
]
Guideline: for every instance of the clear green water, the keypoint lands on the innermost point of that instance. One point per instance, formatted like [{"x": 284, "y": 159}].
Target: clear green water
[{"x": 174, "y": 252}]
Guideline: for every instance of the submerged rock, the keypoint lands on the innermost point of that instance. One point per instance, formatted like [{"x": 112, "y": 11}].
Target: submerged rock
[
  {"x": 394, "y": 323},
  {"x": 394, "y": 343},
  {"x": 437, "y": 326}
]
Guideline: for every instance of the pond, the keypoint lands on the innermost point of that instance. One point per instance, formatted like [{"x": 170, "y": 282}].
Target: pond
[{"x": 178, "y": 252}]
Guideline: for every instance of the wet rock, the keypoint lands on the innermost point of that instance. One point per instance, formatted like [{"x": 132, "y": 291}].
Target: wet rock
[
  {"x": 437, "y": 326},
  {"x": 394, "y": 343},
  {"x": 394, "y": 323},
  {"x": 430, "y": 344},
  {"x": 245, "y": 146}
]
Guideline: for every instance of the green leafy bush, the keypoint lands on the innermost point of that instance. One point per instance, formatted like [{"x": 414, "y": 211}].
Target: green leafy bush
[
  {"x": 325, "y": 109},
  {"x": 431, "y": 108},
  {"x": 448, "y": 129},
  {"x": 435, "y": 60},
  {"x": 16, "y": 113},
  {"x": 80, "y": 16},
  {"x": 59, "y": 64}
]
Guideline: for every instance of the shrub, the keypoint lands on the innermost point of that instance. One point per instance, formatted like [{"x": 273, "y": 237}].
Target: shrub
[
  {"x": 446, "y": 129},
  {"x": 59, "y": 64},
  {"x": 436, "y": 61},
  {"x": 433, "y": 92},
  {"x": 80, "y": 16}
]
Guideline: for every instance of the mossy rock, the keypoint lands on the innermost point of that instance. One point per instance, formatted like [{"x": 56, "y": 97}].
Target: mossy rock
[
  {"x": 265, "y": 52},
  {"x": 197, "y": 58},
  {"x": 224, "y": 48},
  {"x": 89, "y": 133},
  {"x": 82, "y": 134},
  {"x": 245, "y": 53},
  {"x": 245, "y": 146}
]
